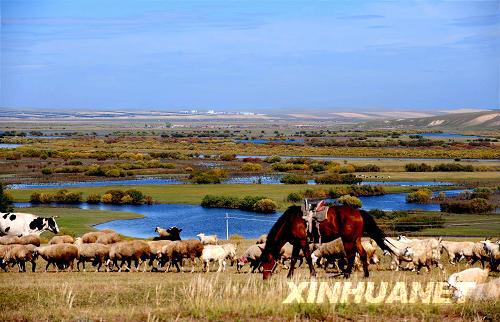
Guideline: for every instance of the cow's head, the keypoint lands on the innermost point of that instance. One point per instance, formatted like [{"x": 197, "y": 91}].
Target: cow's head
[
  {"x": 175, "y": 233},
  {"x": 42, "y": 224}
]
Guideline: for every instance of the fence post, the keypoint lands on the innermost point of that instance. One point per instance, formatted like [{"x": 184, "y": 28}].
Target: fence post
[{"x": 227, "y": 226}]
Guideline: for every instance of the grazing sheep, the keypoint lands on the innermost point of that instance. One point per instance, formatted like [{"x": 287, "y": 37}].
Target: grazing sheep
[
  {"x": 9, "y": 240},
  {"x": 207, "y": 239},
  {"x": 330, "y": 252},
  {"x": 156, "y": 246},
  {"x": 422, "y": 256},
  {"x": 286, "y": 254},
  {"x": 61, "y": 256},
  {"x": 95, "y": 253},
  {"x": 262, "y": 239},
  {"x": 191, "y": 249},
  {"x": 475, "y": 274},
  {"x": 20, "y": 254},
  {"x": 252, "y": 256},
  {"x": 397, "y": 254},
  {"x": 370, "y": 247},
  {"x": 479, "y": 254},
  {"x": 64, "y": 239},
  {"x": 165, "y": 254},
  {"x": 4, "y": 249},
  {"x": 477, "y": 292},
  {"x": 92, "y": 236},
  {"x": 457, "y": 250},
  {"x": 108, "y": 238},
  {"x": 128, "y": 251},
  {"x": 30, "y": 240},
  {"x": 218, "y": 253},
  {"x": 493, "y": 251}
]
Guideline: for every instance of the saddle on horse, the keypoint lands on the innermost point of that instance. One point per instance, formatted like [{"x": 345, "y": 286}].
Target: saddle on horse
[{"x": 314, "y": 212}]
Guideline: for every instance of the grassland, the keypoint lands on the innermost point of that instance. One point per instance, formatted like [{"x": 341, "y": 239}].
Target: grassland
[
  {"x": 74, "y": 221},
  {"x": 194, "y": 193},
  {"x": 226, "y": 296}
]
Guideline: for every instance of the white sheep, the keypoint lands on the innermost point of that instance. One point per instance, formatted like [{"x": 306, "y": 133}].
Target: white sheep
[
  {"x": 262, "y": 239},
  {"x": 477, "y": 292},
  {"x": 493, "y": 251},
  {"x": 457, "y": 250},
  {"x": 207, "y": 239},
  {"x": 475, "y": 274},
  {"x": 330, "y": 253},
  {"x": 218, "y": 253},
  {"x": 422, "y": 255}
]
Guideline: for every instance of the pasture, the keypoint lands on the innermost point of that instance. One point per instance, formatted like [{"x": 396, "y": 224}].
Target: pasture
[{"x": 230, "y": 295}]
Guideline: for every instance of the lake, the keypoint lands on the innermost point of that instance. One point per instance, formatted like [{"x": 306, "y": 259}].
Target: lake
[
  {"x": 194, "y": 219},
  {"x": 9, "y": 145},
  {"x": 146, "y": 181}
]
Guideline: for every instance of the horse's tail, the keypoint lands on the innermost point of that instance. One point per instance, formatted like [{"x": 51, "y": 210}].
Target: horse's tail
[{"x": 374, "y": 231}]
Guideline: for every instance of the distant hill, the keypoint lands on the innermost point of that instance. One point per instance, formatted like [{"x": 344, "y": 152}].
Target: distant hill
[{"x": 477, "y": 120}]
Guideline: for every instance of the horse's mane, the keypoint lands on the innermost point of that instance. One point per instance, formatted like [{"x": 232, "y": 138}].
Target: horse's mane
[{"x": 282, "y": 221}]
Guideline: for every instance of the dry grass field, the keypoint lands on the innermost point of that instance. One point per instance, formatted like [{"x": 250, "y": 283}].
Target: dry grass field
[{"x": 138, "y": 296}]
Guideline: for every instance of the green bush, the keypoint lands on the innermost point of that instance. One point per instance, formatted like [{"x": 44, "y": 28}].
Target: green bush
[
  {"x": 294, "y": 197},
  {"x": 367, "y": 168},
  {"x": 136, "y": 196},
  {"x": 213, "y": 176},
  {"x": 116, "y": 196},
  {"x": 415, "y": 167},
  {"x": 5, "y": 200},
  {"x": 352, "y": 201},
  {"x": 317, "y": 167},
  {"x": 265, "y": 206},
  {"x": 420, "y": 196},
  {"x": 47, "y": 171},
  {"x": 417, "y": 222},
  {"x": 453, "y": 167},
  {"x": 253, "y": 167},
  {"x": 473, "y": 206},
  {"x": 94, "y": 198},
  {"x": 293, "y": 179},
  {"x": 331, "y": 178},
  {"x": 272, "y": 159},
  {"x": 248, "y": 202}
]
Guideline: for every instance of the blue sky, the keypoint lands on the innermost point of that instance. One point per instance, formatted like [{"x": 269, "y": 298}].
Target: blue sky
[{"x": 250, "y": 55}]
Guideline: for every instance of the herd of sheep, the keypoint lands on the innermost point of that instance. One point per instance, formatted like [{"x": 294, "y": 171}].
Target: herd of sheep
[{"x": 106, "y": 248}]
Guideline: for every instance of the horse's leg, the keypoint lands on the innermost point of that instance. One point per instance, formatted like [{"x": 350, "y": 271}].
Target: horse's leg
[
  {"x": 363, "y": 256},
  {"x": 350, "y": 251},
  {"x": 295, "y": 255},
  {"x": 307, "y": 254}
]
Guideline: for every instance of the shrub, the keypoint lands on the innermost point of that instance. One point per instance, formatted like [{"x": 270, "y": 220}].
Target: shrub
[
  {"x": 272, "y": 159},
  {"x": 316, "y": 193},
  {"x": 483, "y": 193},
  {"x": 35, "y": 198},
  {"x": 453, "y": 167},
  {"x": 367, "y": 168},
  {"x": 419, "y": 196},
  {"x": 47, "y": 171},
  {"x": 94, "y": 198},
  {"x": 265, "y": 206},
  {"x": 107, "y": 198},
  {"x": 350, "y": 201},
  {"x": 293, "y": 179},
  {"x": 46, "y": 198},
  {"x": 248, "y": 202},
  {"x": 331, "y": 178},
  {"x": 473, "y": 206},
  {"x": 212, "y": 176},
  {"x": 415, "y": 167},
  {"x": 75, "y": 162},
  {"x": 148, "y": 200},
  {"x": 317, "y": 167},
  {"x": 350, "y": 179},
  {"x": 136, "y": 196},
  {"x": 227, "y": 157},
  {"x": 126, "y": 200},
  {"x": 115, "y": 173},
  {"x": 116, "y": 196},
  {"x": 5, "y": 200},
  {"x": 254, "y": 167},
  {"x": 294, "y": 197},
  {"x": 418, "y": 222}
]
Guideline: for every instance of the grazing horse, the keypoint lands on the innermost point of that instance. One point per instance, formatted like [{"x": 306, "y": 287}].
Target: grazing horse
[{"x": 345, "y": 222}]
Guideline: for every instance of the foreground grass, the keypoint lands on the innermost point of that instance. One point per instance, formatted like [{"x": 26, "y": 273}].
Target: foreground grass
[
  {"x": 75, "y": 222},
  {"x": 225, "y": 296}
]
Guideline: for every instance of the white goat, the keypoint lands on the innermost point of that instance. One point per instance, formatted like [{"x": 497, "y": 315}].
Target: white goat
[
  {"x": 208, "y": 239},
  {"x": 218, "y": 253}
]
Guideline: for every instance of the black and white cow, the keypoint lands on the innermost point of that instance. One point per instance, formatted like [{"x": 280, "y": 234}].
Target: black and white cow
[{"x": 20, "y": 224}]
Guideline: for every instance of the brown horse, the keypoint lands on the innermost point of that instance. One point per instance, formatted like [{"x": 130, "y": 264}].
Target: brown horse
[{"x": 345, "y": 222}]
